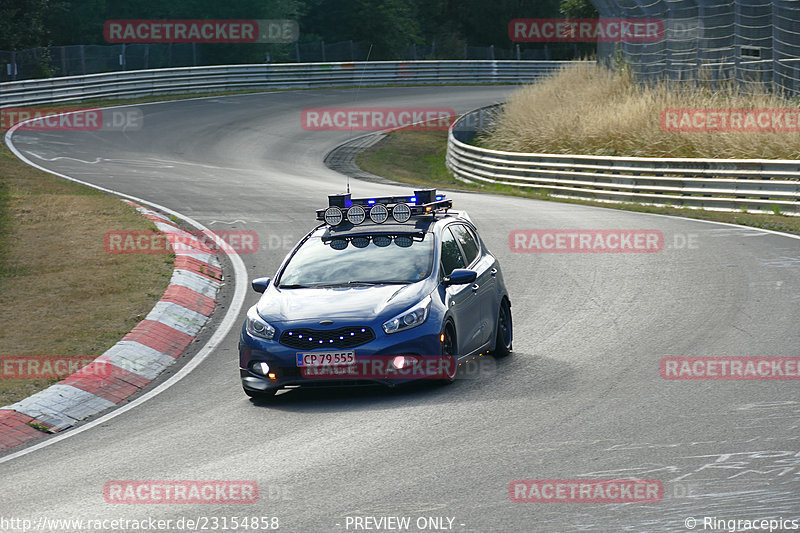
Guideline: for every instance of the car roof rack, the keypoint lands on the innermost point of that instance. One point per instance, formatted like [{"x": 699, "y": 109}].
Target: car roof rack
[{"x": 378, "y": 209}]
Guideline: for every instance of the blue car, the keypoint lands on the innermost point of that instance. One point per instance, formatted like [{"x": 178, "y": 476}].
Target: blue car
[{"x": 385, "y": 290}]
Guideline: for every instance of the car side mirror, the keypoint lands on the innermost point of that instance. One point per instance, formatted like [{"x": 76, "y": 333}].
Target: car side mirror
[
  {"x": 460, "y": 276},
  {"x": 260, "y": 284}
]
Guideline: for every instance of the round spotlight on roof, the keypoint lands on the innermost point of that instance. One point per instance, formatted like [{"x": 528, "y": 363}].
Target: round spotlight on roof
[
  {"x": 339, "y": 244},
  {"x": 381, "y": 241},
  {"x": 360, "y": 242},
  {"x": 401, "y": 213},
  {"x": 356, "y": 215},
  {"x": 333, "y": 216},
  {"x": 403, "y": 242},
  {"x": 378, "y": 214}
]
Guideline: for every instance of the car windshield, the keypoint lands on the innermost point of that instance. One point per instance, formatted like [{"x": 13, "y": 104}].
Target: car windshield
[{"x": 367, "y": 260}]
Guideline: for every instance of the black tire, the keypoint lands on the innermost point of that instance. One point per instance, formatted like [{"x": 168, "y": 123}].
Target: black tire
[
  {"x": 260, "y": 394},
  {"x": 449, "y": 349},
  {"x": 505, "y": 332}
]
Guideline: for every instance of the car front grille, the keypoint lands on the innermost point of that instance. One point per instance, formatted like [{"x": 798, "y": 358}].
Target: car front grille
[{"x": 342, "y": 338}]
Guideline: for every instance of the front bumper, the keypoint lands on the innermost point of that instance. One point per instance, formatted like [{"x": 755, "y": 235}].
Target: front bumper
[{"x": 423, "y": 341}]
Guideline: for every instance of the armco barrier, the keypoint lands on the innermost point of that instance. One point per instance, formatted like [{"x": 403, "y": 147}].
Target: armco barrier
[
  {"x": 757, "y": 185},
  {"x": 271, "y": 75}
]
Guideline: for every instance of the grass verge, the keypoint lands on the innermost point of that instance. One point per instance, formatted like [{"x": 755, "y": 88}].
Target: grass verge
[
  {"x": 61, "y": 293},
  {"x": 589, "y": 109},
  {"x": 418, "y": 157}
]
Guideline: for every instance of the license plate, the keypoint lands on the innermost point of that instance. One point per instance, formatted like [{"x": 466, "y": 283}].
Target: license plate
[{"x": 325, "y": 358}]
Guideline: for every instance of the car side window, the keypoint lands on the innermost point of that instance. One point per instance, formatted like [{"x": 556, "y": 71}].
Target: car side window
[
  {"x": 451, "y": 254},
  {"x": 467, "y": 241}
]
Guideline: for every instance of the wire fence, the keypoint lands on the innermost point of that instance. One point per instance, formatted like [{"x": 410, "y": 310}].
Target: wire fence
[
  {"x": 57, "y": 61},
  {"x": 753, "y": 42}
]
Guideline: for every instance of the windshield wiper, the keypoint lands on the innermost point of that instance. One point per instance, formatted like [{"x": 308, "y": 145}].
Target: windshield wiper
[{"x": 294, "y": 286}]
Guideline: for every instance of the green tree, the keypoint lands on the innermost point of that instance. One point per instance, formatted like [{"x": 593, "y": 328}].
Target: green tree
[
  {"x": 389, "y": 25},
  {"x": 579, "y": 9},
  {"x": 22, "y": 24}
]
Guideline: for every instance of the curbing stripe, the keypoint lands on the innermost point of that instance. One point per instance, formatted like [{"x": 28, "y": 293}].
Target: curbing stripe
[
  {"x": 197, "y": 282},
  {"x": 190, "y": 299},
  {"x": 106, "y": 381},
  {"x": 201, "y": 258},
  {"x": 14, "y": 429},
  {"x": 196, "y": 265},
  {"x": 177, "y": 317},
  {"x": 138, "y": 358},
  {"x": 160, "y": 337},
  {"x": 61, "y": 406}
]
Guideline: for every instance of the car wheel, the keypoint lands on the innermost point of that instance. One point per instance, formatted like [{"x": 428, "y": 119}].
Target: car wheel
[
  {"x": 449, "y": 350},
  {"x": 260, "y": 394},
  {"x": 502, "y": 346}
]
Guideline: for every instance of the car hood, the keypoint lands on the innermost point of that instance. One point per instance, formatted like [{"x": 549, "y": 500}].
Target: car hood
[{"x": 364, "y": 302}]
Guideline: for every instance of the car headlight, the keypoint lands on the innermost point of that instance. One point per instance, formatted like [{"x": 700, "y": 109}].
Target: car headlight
[
  {"x": 258, "y": 327},
  {"x": 409, "y": 319}
]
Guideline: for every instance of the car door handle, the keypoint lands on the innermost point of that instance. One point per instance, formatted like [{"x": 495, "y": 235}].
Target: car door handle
[
  {"x": 475, "y": 287},
  {"x": 494, "y": 272}
]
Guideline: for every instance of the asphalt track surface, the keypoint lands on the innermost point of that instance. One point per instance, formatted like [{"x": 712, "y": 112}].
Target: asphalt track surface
[{"x": 580, "y": 398}]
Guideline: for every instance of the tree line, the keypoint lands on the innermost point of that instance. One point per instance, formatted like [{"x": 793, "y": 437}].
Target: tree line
[{"x": 389, "y": 26}]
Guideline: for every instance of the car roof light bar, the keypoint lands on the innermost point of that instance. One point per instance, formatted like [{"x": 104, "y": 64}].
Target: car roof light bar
[{"x": 422, "y": 202}]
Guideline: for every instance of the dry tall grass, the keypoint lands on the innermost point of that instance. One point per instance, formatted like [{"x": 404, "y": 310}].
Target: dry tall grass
[{"x": 588, "y": 109}]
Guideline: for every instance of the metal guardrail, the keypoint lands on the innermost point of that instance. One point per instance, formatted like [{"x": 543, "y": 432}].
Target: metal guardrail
[
  {"x": 271, "y": 75},
  {"x": 757, "y": 185}
]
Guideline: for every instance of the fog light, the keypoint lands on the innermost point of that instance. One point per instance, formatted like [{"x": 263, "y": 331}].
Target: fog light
[
  {"x": 260, "y": 367},
  {"x": 403, "y": 361}
]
